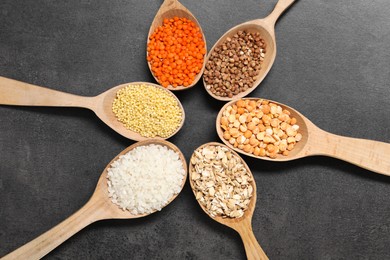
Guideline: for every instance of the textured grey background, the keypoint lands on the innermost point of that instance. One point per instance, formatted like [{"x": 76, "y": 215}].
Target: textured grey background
[{"x": 332, "y": 65}]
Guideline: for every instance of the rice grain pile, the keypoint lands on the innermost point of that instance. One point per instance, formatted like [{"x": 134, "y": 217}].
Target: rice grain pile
[{"x": 145, "y": 179}]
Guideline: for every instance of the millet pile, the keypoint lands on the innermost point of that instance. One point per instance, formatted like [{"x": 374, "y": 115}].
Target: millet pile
[{"x": 148, "y": 110}]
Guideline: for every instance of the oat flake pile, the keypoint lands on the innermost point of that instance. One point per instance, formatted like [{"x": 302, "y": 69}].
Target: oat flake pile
[{"x": 220, "y": 181}]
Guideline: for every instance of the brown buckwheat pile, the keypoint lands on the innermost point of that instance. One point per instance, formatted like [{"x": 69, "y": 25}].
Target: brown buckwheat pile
[{"x": 233, "y": 66}]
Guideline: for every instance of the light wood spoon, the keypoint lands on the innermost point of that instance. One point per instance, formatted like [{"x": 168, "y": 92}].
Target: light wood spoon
[
  {"x": 242, "y": 225},
  {"x": 99, "y": 207},
  {"x": 266, "y": 28},
  {"x": 368, "y": 154},
  {"x": 170, "y": 9},
  {"x": 17, "y": 93}
]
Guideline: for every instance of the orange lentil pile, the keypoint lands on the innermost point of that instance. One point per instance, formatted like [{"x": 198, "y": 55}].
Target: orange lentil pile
[{"x": 176, "y": 51}]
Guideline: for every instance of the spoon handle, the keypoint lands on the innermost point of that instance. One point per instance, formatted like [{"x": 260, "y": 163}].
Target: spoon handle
[
  {"x": 17, "y": 93},
  {"x": 253, "y": 249},
  {"x": 42, "y": 245},
  {"x": 280, "y": 7},
  {"x": 368, "y": 154}
]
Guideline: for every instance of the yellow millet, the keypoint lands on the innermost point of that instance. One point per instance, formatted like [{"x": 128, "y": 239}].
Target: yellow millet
[{"x": 147, "y": 110}]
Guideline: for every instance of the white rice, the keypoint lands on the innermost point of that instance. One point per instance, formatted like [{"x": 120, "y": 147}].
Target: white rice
[{"x": 145, "y": 179}]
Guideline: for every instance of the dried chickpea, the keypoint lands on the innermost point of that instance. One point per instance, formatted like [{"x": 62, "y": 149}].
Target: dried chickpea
[
  {"x": 270, "y": 148},
  {"x": 251, "y": 126},
  {"x": 247, "y": 148},
  {"x": 290, "y": 140},
  {"x": 256, "y": 120},
  {"x": 241, "y": 139},
  {"x": 266, "y": 119},
  {"x": 267, "y": 139},
  {"x": 274, "y": 122},
  {"x": 248, "y": 134},
  {"x": 242, "y": 119},
  {"x": 240, "y": 110},
  {"x": 243, "y": 128},
  {"x": 253, "y": 141},
  {"x": 226, "y": 135},
  {"x": 266, "y": 109},
  {"x": 283, "y": 126},
  {"x": 261, "y": 128},
  {"x": 273, "y": 155},
  {"x": 240, "y": 103},
  {"x": 293, "y": 121},
  {"x": 224, "y": 121},
  {"x": 283, "y": 147},
  {"x": 252, "y": 103},
  {"x": 249, "y": 108},
  {"x": 260, "y": 136},
  {"x": 233, "y": 131},
  {"x": 256, "y": 151}
]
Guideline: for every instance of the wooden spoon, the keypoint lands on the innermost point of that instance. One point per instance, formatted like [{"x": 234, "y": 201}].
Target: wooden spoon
[
  {"x": 18, "y": 93},
  {"x": 170, "y": 9},
  {"x": 98, "y": 207},
  {"x": 242, "y": 225},
  {"x": 266, "y": 28},
  {"x": 368, "y": 154}
]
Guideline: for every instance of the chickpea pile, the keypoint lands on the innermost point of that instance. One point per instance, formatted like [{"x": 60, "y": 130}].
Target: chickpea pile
[{"x": 260, "y": 127}]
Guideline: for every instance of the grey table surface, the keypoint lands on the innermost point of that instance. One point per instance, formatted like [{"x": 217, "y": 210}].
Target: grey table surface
[{"x": 333, "y": 65}]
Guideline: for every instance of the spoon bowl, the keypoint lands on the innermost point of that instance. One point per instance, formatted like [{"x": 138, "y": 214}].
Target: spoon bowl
[
  {"x": 17, "y": 93},
  {"x": 99, "y": 207},
  {"x": 242, "y": 225},
  {"x": 168, "y": 10},
  {"x": 266, "y": 28},
  {"x": 368, "y": 154}
]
